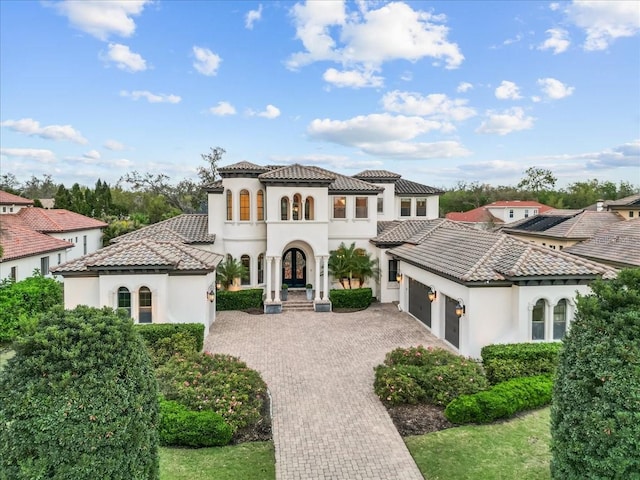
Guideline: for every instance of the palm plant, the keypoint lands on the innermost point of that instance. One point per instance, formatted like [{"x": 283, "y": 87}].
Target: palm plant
[
  {"x": 229, "y": 270},
  {"x": 347, "y": 263}
]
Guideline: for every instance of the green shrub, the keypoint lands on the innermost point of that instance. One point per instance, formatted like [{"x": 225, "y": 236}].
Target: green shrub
[
  {"x": 503, "y": 362},
  {"x": 182, "y": 427},
  {"x": 501, "y": 401},
  {"x": 420, "y": 356},
  {"x": 239, "y": 300},
  {"x": 447, "y": 382},
  {"x": 164, "y": 340},
  {"x": 399, "y": 385},
  {"x": 221, "y": 383},
  {"x": 595, "y": 415},
  {"x": 79, "y": 401},
  {"x": 351, "y": 298},
  {"x": 21, "y": 302}
]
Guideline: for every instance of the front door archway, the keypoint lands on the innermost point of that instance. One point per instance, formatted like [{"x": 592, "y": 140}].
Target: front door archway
[{"x": 294, "y": 268}]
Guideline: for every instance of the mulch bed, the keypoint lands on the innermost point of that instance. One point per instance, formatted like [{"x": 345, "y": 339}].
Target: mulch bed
[{"x": 418, "y": 419}]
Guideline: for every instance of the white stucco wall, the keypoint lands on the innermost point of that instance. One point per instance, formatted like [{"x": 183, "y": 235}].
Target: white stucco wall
[
  {"x": 433, "y": 205},
  {"x": 25, "y": 266},
  {"x": 519, "y": 212},
  {"x": 93, "y": 237}
]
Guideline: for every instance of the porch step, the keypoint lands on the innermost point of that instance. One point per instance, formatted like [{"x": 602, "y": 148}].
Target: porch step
[{"x": 297, "y": 301}]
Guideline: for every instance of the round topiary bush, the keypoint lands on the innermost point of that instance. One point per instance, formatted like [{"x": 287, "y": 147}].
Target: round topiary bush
[
  {"x": 595, "y": 414},
  {"x": 79, "y": 401}
]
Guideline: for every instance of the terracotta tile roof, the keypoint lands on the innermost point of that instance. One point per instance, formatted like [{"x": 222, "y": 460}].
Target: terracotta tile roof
[
  {"x": 477, "y": 215},
  {"x": 384, "y": 225},
  {"x": 559, "y": 224},
  {"x": 243, "y": 166},
  {"x": 630, "y": 201},
  {"x": 372, "y": 175},
  {"x": 407, "y": 187},
  {"x": 297, "y": 172},
  {"x": 186, "y": 228},
  {"x": 520, "y": 204},
  {"x": 19, "y": 241},
  {"x": 57, "y": 220},
  {"x": 400, "y": 231},
  {"x": 468, "y": 255},
  {"x": 215, "y": 187},
  {"x": 618, "y": 244},
  {"x": 143, "y": 254},
  {"x": 7, "y": 198}
]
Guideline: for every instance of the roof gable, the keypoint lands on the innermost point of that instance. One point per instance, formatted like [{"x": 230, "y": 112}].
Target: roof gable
[
  {"x": 186, "y": 228},
  {"x": 407, "y": 187}
]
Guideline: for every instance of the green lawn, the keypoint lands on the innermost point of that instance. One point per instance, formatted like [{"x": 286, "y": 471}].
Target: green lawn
[
  {"x": 248, "y": 461},
  {"x": 516, "y": 449}
]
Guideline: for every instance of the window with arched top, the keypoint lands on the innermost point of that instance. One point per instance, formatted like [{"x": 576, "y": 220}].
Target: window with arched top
[
  {"x": 245, "y": 206},
  {"x": 144, "y": 305},
  {"x": 284, "y": 208},
  {"x": 308, "y": 208},
  {"x": 124, "y": 299},
  {"x": 261, "y": 268},
  {"x": 537, "y": 320},
  {"x": 260, "y": 205},
  {"x": 560, "y": 319},
  {"x": 229, "y": 205},
  {"x": 296, "y": 214},
  {"x": 246, "y": 263}
]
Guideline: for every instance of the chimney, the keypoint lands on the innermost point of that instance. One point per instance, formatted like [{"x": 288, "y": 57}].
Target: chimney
[{"x": 599, "y": 205}]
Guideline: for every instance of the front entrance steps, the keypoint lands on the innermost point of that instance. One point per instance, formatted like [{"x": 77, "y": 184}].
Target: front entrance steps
[{"x": 297, "y": 301}]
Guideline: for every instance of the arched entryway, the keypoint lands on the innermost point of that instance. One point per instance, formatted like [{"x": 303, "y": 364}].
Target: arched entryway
[{"x": 294, "y": 268}]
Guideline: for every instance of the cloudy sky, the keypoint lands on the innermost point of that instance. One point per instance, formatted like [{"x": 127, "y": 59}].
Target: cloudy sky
[{"x": 437, "y": 91}]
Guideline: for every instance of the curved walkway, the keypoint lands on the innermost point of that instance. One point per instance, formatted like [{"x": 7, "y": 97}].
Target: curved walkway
[{"x": 327, "y": 422}]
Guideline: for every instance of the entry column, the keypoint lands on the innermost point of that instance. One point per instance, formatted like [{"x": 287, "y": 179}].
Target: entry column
[
  {"x": 325, "y": 289},
  {"x": 317, "y": 282},
  {"x": 276, "y": 286},
  {"x": 268, "y": 298}
]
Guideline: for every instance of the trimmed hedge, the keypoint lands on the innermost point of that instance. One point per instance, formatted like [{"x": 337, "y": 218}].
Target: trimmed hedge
[
  {"x": 239, "y": 300},
  {"x": 182, "y": 427},
  {"x": 351, "y": 298},
  {"x": 502, "y": 401},
  {"x": 504, "y": 362},
  {"x": 163, "y": 340},
  {"x": 420, "y": 356},
  {"x": 399, "y": 385}
]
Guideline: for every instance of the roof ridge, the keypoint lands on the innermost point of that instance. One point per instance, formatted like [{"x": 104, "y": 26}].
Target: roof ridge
[{"x": 484, "y": 257}]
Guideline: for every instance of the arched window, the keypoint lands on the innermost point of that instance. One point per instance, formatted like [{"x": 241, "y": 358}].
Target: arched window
[
  {"x": 261, "y": 268},
  {"x": 537, "y": 320},
  {"x": 297, "y": 205},
  {"x": 246, "y": 263},
  {"x": 245, "y": 206},
  {"x": 284, "y": 208},
  {"x": 124, "y": 299},
  {"x": 144, "y": 305},
  {"x": 560, "y": 319},
  {"x": 229, "y": 205},
  {"x": 260, "y": 204},
  {"x": 308, "y": 208}
]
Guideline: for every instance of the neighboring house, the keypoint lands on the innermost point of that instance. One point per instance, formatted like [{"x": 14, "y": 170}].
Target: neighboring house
[
  {"x": 489, "y": 287},
  {"x": 559, "y": 229},
  {"x": 504, "y": 211},
  {"x": 617, "y": 245},
  {"x": 627, "y": 207},
  {"x": 28, "y": 234}
]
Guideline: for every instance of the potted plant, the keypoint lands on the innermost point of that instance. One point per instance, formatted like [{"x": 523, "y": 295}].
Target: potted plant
[
  {"x": 284, "y": 292},
  {"x": 309, "y": 288}
]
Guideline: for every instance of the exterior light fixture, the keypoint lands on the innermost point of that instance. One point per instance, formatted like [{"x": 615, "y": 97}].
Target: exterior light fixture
[
  {"x": 460, "y": 308},
  {"x": 398, "y": 277},
  {"x": 211, "y": 293},
  {"x": 432, "y": 294}
]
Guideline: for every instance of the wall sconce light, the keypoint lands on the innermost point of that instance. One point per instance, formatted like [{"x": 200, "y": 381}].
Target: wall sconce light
[
  {"x": 211, "y": 295},
  {"x": 460, "y": 308},
  {"x": 432, "y": 294},
  {"x": 398, "y": 277}
]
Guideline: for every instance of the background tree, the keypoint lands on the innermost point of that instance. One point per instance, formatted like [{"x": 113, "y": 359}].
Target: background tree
[
  {"x": 79, "y": 401},
  {"x": 209, "y": 173},
  {"x": 537, "y": 180},
  {"x": 39, "y": 187},
  {"x": 9, "y": 183},
  {"x": 595, "y": 414}
]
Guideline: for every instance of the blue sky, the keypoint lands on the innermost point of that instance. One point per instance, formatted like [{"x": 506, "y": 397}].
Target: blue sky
[{"x": 438, "y": 92}]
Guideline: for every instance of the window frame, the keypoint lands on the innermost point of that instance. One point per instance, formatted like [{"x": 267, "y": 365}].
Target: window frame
[
  {"x": 539, "y": 306},
  {"x": 44, "y": 265},
  {"x": 309, "y": 208},
  {"x": 359, "y": 208},
  {"x": 565, "y": 319},
  {"x": 122, "y": 290},
  {"x": 284, "y": 208},
  {"x": 404, "y": 209},
  {"x": 339, "y": 208},
  {"x": 261, "y": 268},
  {"x": 245, "y": 260},
  {"x": 260, "y": 205},
  {"x": 229, "y": 206},
  {"x": 380, "y": 204},
  {"x": 418, "y": 200},
  {"x": 393, "y": 271},
  {"x": 245, "y": 205},
  {"x": 144, "y": 309},
  {"x": 296, "y": 207}
]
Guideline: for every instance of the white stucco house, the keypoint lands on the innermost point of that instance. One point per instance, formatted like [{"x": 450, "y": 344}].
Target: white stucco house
[{"x": 282, "y": 222}]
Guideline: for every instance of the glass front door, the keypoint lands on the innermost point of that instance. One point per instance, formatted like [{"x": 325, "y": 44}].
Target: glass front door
[{"x": 294, "y": 268}]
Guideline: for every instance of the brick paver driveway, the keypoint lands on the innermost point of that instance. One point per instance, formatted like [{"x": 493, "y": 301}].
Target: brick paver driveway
[{"x": 327, "y": 422}]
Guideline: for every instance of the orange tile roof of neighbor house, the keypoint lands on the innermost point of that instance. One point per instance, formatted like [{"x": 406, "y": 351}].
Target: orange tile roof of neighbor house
[
  {"x": 19, "y": 241},
  {"x": 7, "y": 198},
  {"x": 57, "y": 220}
]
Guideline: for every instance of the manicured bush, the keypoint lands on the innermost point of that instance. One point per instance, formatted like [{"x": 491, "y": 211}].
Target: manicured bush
[
  {"x": 595, "y": 415},
  {"x": 79, "y": 400},
  {"x": 239, "y": 300},
  {"x": 182, "y": 427},
  {"x": 220, "y": 383},
  {"x": 21, "y": 302},
  {"x": 420, "y": 356},
  {"x": 399, "y": 385},
  {"x": 447, "y": 382},
  {"x": 503, "y": 362},
  {"x": 351, "y": 298},
  {"x": 501, "y": 401},
  {"x": 164, "y": 340}
]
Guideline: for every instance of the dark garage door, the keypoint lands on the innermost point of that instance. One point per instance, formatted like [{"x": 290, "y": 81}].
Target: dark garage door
[
  {"x": 452, "y": 323},
  {"x": 419, "y": 304}
]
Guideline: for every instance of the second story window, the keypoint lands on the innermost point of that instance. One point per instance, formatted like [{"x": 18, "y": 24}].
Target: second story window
[
  {"x": 229, "y": 205},
  {"x": 362, "y": 210},
  {"x": 380, "y": 205},
  {"x": 245, "y": 206},
  {"x": 339, "y": 207},
  {"x": 260, "y": 204},
  {"x": 405, "y": 207},
  {"x": 421, "y": 207},
  {"x": 284, "y": 208},
  {"x": 308, "y": 208},
  {"x": 297, "y": 201},
  {"x": 511, "y": 213}
]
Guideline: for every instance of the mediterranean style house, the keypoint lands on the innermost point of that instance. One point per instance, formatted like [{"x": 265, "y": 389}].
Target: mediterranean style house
[{"x": 282, "y": 222}]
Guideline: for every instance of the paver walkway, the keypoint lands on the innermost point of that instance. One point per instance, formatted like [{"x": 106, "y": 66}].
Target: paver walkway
[{"x": 327, "y": 422}]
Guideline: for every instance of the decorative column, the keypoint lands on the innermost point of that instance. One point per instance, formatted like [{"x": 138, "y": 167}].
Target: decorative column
[
  {"x": 268, "y": 298},
  {"x": 278, "y": 272},
  {"x": 325, "y": 290},
  {"x": 317, "y": 282}
]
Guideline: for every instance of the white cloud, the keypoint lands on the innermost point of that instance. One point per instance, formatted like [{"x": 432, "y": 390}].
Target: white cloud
[
  {"x": 604, "y": 22},
  {"x": 416, "y": 150},
  {"x": 352, "y": 78},
  {"x": 31, "y": 127},
  {"x": 554, "y": 6},
  {"x": 368, "y": 38},
  {"x": 626, "y": 155},
  {"x": 252, "y": 17},
  {"x": 207, "y": 62},
  {"x": 508, "y": 91},
  {"x": 38, "y": 154},
  {"x": 489, "y": 170},
  {"x": 102, "y": 19},
  {"x": 331, "y": 162},
  {"x": 151, "y": 97},
  {"x": 269, "y": 112},
  {"x": 436, "y": 105},
  {"x": 558, "y": 41},
  {"x": 124, "y": 58},
  {"x": 464, "y": 87},
  {"x": 92, "y": 155},
  {"x": 114, "y": 145},
  {"x": 508, "y": 121},
  {"x": 554, "y": 89},
  {"x": 222, "y": 109}
]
